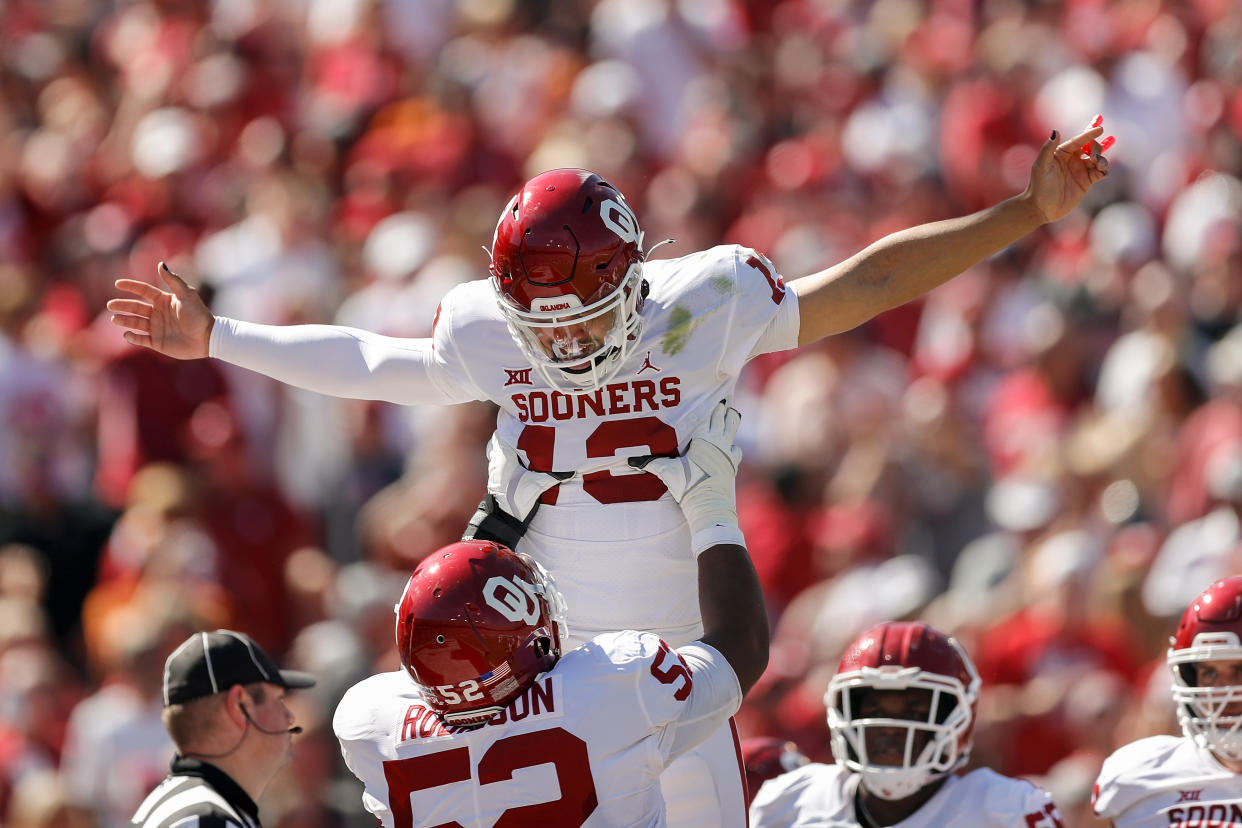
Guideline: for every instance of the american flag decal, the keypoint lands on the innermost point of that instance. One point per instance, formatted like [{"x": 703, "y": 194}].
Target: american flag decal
[{"x": 488, "y": 679}]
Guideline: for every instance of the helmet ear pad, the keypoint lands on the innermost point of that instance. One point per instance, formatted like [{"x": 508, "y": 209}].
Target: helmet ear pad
[
  {"x": 567, "y": 251},
  {"x": 476, "y": 624}
]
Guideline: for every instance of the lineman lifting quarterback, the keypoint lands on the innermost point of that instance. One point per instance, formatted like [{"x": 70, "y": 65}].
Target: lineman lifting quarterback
[
  {"x": 596, "y": 354},
  {"x": 490, "y": 722}
]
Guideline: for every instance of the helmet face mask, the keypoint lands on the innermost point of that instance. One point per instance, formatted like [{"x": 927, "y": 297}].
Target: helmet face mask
[
  {"x": 1203, "y": 656},
  {"x": 901, "y": 708},
  {"x": 476, "y": 625},
  {"x": 567, "y": 273}
]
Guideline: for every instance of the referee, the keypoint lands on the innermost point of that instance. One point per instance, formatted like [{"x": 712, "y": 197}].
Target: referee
[{"x": 224, "y": 709}]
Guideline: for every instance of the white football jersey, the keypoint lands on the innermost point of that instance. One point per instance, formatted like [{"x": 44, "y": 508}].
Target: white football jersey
[
  {"x": 628, "y": 566},
  {"x": 1167, "y": 781},
  {"x": 823, "y": 796},
  {"x": 583, "y": 746}
]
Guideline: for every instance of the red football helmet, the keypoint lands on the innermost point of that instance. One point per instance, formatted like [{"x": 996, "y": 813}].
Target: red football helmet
[
  {"x": 476, "y": 624},
  {"x": 767, "y": 757},
  {"x": 901, "y": 656},
  {"x": 1210, "y": 630},
  {"x": 567, "y": 268}
]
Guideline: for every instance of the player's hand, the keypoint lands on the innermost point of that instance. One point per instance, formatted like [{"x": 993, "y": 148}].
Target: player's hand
[
  {"x": 1063, "y": 171},
  {"x": 701, "y": 480},
  {"x": 516, "y": 488},
  {"x": 176, "y": 322}
]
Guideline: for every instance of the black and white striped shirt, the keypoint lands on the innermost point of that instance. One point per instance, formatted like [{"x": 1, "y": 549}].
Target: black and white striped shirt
[{"x": 196, "y": 795}]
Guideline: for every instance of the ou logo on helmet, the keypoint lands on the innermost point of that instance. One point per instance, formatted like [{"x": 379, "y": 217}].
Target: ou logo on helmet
[
  {"x": 620, "y": 219},
  {"x": 513, "y": 598}
]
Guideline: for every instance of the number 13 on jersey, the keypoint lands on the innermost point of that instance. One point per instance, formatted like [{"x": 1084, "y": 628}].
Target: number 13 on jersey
[{"x": 649, "y": 433}]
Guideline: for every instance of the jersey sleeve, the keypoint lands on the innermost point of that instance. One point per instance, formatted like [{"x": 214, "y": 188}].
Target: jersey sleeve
[
  {"x": 1119, "y": 784},
  {"x": 686, "y": 694},
  {"x": 347, "y": 362},
  {"x": 764, "y": 316},
  {"x": 1032, "y": 806},
  {"x": 681, "y": 695}
]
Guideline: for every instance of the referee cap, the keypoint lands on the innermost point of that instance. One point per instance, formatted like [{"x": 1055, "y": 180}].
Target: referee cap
[{"x": 212, "y": 662}]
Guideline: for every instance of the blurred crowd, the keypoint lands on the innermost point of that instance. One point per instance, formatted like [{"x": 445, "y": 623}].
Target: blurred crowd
[{"x": 1043, "y": 457}]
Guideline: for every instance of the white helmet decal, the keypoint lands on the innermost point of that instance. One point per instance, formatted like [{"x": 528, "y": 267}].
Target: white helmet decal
[
  {"x": 620, "y": 219},
  {"x": 513, "y": 598}
]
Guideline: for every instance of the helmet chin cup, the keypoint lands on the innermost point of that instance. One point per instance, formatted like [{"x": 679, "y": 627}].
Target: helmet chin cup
[{"x": 894, "y": 783}]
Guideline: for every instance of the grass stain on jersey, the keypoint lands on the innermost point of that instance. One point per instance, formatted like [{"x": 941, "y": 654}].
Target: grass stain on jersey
[
  {"x": 721, "y": 284},
  {"x": 681, "y": 324}
]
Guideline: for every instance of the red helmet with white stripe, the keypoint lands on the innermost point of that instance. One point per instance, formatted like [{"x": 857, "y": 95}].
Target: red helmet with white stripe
[
  {"x": 934, "y": 675},
  {"x": 567, "y": 269},
  {"x": 1209, "y": 705},
  {"x": 476, "y": 624}
]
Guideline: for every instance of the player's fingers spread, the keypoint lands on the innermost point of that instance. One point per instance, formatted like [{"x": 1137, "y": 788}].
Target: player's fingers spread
[
  {"x": 129, "y": 306},
  {"x": 144, "y": 289},
  {"x": 139, "y": 339},
  {"x": 137, "y": 323}
]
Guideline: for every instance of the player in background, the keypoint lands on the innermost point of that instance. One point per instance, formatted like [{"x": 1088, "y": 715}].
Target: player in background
[
  {"x": 767, "y": 757},
  {"x": 901, "y": 714},
  {"x": 489, "y": 724},
  {"x": 594, "y": 353},
  {"x": 1194, "y": 779}
]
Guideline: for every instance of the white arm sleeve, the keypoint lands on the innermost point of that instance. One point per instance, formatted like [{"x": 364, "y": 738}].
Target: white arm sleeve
[
  {"x": 782, "y": 333},
  {"x": 716, "y": 695},
  {"x": 341, "y": 362}
]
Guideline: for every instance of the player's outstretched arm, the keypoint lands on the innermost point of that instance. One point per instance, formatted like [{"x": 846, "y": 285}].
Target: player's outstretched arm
[
  {"x": 328, "y": 359},
  {"x": 735, "y": 620},
  {"x": 908, "y": 263},
  {"x": 175, "y": 322}
]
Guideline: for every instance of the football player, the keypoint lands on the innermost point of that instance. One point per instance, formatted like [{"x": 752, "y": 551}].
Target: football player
[
  {"x": 901, "y": 714},
  {"x": 490, "y": 723},
  {"x": 1195, "y": 778},
  {"x": 766, "y": 757},
  {"x": 596, "y": 353}
]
